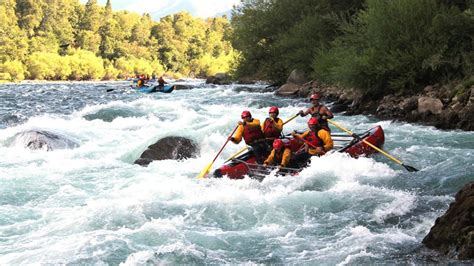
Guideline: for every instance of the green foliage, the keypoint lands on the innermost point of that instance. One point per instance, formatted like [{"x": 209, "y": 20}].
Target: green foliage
[
  {"x": 210, "y": 65},
  {"x": 124, "y": 67},
  {"x": 59, "y": 20},
  {"x": 46, "y": 42},
  {"x": 132, "y": 66},
  {"x": 157, "y": 68},
  {"x": 30, "y": 15},
  {"x": 90, "y": 20},
  {"x": 89, "y": 40},
  {"x": 468, "y": 83},
  {"x": 51, "y": 66},
  {"x": 62, "y": 39},
  {"x": 399, "y": 45},
  {"x": 275, "y": 37},
  {"x": 110, "y": 71},
  {"x": 191, "y": 46},
  {"x": 12, "y": 71},
  {"x": 86, "y": 65},
  {"x": 13, "y": 41}
]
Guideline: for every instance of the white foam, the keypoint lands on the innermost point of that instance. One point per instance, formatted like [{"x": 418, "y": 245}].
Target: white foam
[{"x": 76, "y": 204}]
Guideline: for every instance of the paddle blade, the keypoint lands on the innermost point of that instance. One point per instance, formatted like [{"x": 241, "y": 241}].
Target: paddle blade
[
  {"x": 410, "y": 168},
  {"x": 205, "y": 171},
  {"x": 109, "y": 90}
]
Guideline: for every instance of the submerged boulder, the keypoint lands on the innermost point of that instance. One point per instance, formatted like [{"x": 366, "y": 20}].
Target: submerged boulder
[
  {"x": 453, "y": 233},
  {"x": 182, "y": 87},
  {"x": 43, "y": 140},
  {"x": 174, "y": 148},
  {"x": 112, "y": 113}
]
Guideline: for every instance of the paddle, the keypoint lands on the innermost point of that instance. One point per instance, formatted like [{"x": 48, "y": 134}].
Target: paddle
[
  {"x": 205, "y": 171},
  {"x": 409, "y": 168},
  {"x": 245, "y": 148},
  {"x": 291, "y": 118},
  {"x": 237, "y": 154},
  {"x": 305, "y": 141}
]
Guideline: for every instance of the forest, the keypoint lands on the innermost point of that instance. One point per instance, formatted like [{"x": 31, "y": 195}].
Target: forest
[
  {"x": 65, "y": 40},
  {"x": 379, "y": 46}
]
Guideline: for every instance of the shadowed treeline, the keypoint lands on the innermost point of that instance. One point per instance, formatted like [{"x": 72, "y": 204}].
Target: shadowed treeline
[{"x": 379, "y": 46}]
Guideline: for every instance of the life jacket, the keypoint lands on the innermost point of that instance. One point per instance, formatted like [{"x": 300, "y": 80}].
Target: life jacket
[
  {"x": 314, "y": 139},
  {"x": 269, "y": 130},
  {"x": 324, "y": 123},
  {"x": 252, "y": 134}
]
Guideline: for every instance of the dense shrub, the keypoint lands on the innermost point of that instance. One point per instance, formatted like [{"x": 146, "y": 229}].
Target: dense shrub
[
  {"x": 12, "y": 71},
  {"x": 85, "y": 65},
  {"x": 399, "y": 45},
  {"x": 50, "y": 66},
  {"x": 275, "y": 37}
]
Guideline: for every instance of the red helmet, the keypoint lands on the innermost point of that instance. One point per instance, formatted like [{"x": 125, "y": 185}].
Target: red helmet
[
  {"x": 274, "y": 109},
  {"x": 245, "y": 114},
  {"x": 277, "y": 144},
  {"x": 313, "y": 121},
  {"x": 315, "y": 96}
]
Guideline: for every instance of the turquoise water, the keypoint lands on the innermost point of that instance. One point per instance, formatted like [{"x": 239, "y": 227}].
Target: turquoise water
[{"x": 91, "y": 205}]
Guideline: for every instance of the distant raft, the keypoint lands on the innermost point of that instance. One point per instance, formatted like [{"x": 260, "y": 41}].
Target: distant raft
[{"x": 157, "y": 88}]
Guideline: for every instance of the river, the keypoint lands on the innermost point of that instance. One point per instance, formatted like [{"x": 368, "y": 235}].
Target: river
[{"x": 91, "y": 205}]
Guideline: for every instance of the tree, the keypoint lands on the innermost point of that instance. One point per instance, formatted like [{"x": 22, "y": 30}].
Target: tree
[
  {"x": 110, "y": 36},
  {"x": 55, "y": 21},
  {"x": 277, "y": 36},
  {"x": 13, "y": 41},
  {"x": 90, "y": 20},
  {"x": 59, "y": 39},
  {"x": 30, "y": 14},
  {"x": 400, "y": 46}
]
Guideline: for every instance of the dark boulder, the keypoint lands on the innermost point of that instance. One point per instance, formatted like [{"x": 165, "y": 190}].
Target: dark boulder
[
  {"x": 255, "y": 89},
  {"x": 288, "y": 89},
  {"x": 339, "y": 107},
  {"x": 43, "y": 140},
  {"x": 453, "y": 233},
  {"x": 174, "y": 148},
  {"x": 219, "y": 79},
  {"x": 294, "y": 85},
  {"x": 297, "y": 77},
  {"x": 183, "y": 87}
]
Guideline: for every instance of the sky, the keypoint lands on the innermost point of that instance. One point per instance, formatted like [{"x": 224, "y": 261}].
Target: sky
[{"x": 161, "y": 8}]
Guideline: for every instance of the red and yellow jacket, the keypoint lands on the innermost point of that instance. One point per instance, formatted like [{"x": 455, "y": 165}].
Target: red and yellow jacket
[
  {"x": 251, "y": 132},
  {"x": 281, "y": 158},
  {"x": 322, "y": 139},
  {"x": 272, "y": 128}
]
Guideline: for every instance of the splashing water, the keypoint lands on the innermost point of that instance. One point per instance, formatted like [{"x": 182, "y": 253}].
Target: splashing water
[{"x": 91, "y": 205}]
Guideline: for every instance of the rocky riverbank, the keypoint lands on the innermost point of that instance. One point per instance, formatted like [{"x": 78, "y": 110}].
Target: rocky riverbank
[
  {"x": 453, "y": 233},
  {"x": 439, "y": 106}
]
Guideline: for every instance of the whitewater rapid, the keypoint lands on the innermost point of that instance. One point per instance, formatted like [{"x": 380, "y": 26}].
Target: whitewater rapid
[{"x": 91, "y": 205}]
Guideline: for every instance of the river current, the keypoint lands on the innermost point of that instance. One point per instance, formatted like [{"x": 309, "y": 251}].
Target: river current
[{"x": 91, "y": 205}]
